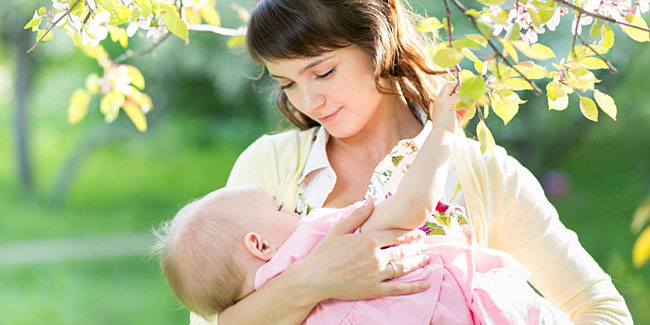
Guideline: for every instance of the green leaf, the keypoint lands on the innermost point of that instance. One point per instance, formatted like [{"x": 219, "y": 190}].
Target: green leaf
[
  {"x": 123, "y": 12},
  {"x": 108, "y": 5},
  {"x": 465, "y": 43},
  {"x": 145, "y": 7},
  {"x": 478, "y": 39},
  {"x": 513, "y": 35},
  {"x": 505, "y": 107},
  {"x": 492, "y": 2},
  {"x": 546, "y": 9},
  {"x": 518, "y": 84},
  {"x": 595, "y": 29},
  {"x": 236, "y": 41},
  {"x": 485, "y": 26},
  {"x": 210, "y": 15},
  {"x": 537, "y": 51},
  {"x": 118, "y": 35},
  {"x": 641, "y": 249},
  {"x": 472, "y": 89},
  {"x": 48, "y": 37},
  {"x": 468, "y": 54},
  {"x": 78, "y": 105},
  {"x": 447, "y": 57},
  {"x": 173, "y": 21},
  {"x": 635, "y": 33},
  {"x": 608, "y": 37},
  {"x": 606, "y": 103},
  {"x": 558, "y": 104},
  {"x": 556, "y": 89},
  {"x": 588, "y": 108},
  {"x": 534, "y": 16},
  {"x": 485, "y": 138},
  {"x": 531, "y": 70},
  {"x": 35, "y": 22},
  {"x": 429, "y": 24},
  {"x": 446, "y": 26},
  {"x": 509, "y": 49},
  {"x": 593, "y": 63},
  {"x": 137, "y": 79},
  {"x": 136, "y": 115},
  {"x": 641, "y": 216}
]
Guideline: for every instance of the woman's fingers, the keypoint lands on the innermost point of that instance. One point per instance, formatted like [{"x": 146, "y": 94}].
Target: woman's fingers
[
  {"x": 401, "y": 288},
  {"x": 395, "y": 269},
  {"x": 355, "y": 220}
]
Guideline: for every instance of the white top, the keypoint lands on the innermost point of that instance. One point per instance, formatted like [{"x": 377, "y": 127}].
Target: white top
[{"x": 318, "y": 179}]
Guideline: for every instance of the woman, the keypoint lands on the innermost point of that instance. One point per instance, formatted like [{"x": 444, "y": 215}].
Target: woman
[{"x": 354, "y": 78}]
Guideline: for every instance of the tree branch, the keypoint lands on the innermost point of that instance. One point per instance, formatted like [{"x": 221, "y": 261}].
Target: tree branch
[
  {"x": 49, "y": 30},
  {"x": 610, "y": 66},
  {"x": 575, "y": 34},
  {"x": 241, "y": 31},
  {"x": 595, "y": 15},
  {"x": 130, "y": 54},
  {"x": 448, "y": 14},
  {"x": 460, "y": 7}
]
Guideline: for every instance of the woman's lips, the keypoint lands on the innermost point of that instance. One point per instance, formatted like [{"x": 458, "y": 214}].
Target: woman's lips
[{"x": 330, "y": 117}]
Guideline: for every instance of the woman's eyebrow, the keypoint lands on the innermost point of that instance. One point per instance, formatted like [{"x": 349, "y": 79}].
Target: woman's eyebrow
[
  {"x": 307, "y": 67},
  {"x": 315, "y": 63}
]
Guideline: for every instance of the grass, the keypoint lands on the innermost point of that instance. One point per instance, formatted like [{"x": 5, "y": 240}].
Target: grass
[{"x": 115, "y": 291}]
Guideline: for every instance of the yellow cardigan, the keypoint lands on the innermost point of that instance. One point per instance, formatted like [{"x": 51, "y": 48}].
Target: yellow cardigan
[{"x": 506, "y": 207}]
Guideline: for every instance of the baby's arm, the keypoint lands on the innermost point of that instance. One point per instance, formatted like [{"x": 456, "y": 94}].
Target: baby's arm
[{"x": 420, "y": 189}]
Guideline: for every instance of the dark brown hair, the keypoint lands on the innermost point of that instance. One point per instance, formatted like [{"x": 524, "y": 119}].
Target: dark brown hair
[{"x": 289, "y": 29}]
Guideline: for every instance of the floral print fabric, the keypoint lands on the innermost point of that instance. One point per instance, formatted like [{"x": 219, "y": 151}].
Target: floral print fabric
[{"x": 319, "y": 179}]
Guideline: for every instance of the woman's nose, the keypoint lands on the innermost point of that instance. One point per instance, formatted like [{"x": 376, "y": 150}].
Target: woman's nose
[{"x": 312, "y": 99}]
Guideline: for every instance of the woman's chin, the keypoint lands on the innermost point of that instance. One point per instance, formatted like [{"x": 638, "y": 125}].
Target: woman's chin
[{"x": 340, "y": 132}]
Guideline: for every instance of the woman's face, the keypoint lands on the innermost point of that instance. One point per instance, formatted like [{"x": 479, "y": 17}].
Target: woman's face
[{"x": 336, "y": 89}]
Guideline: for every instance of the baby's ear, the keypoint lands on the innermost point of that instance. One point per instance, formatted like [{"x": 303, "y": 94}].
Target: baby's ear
[{"x": 258, "y": 246}]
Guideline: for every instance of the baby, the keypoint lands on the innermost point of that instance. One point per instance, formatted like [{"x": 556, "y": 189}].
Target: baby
[{"x": 222, "y": 247}]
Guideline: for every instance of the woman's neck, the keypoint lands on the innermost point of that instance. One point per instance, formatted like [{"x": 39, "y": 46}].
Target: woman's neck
[{"x": 392, "y": 122}]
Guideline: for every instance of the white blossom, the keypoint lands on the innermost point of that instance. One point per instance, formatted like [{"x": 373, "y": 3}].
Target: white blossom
[
  {"x": 155, "y": 32},
  {"x": 644, "y": 5},
  {"x": 95, "y": 30}
]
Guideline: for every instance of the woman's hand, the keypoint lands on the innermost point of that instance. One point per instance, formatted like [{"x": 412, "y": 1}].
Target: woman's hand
[
  {"x": 443, "y": 112},
  {"x": 351, "y": 266}
]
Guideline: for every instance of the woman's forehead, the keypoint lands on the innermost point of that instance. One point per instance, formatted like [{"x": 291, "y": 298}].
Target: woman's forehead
[{"x": 302, "y": 64}]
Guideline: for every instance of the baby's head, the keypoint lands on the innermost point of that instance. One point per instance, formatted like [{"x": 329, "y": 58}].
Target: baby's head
[{"x": 211, "y": 249}]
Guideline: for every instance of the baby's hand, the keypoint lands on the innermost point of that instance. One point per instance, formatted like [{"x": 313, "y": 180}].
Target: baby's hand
[{"x": 443, "y": 113}]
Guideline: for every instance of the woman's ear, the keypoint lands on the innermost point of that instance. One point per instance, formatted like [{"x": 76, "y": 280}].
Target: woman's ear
[{"x": 258, "y": 246}]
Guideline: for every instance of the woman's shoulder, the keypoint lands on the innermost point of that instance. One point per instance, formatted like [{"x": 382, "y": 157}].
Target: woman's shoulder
[
  {"x": 289, "y": 140},
  {"x": 272, "y": 158},
  {"x": 497, "y": 164}
]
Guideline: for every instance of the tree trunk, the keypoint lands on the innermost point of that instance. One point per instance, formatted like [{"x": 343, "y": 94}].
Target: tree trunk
[{"x": 24, "y": 75}]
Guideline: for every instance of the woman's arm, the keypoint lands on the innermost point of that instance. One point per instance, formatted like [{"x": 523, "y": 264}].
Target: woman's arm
[
  {"x": 527, "y": 226},
  {"x": 343, "y": 266}
]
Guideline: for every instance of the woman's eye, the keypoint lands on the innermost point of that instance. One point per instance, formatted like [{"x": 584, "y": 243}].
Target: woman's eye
[
  {"x": 325, "y": 75},
  {"x": 287, "y": 86}
]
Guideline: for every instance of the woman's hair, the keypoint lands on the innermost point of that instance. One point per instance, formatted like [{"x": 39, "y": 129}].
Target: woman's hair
[
  {"x": 196, "y": 254},
  {"x": 384, "y": 29}
]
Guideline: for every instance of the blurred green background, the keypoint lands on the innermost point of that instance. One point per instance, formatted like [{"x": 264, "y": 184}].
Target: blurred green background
[{"x": 75, "y": 229}]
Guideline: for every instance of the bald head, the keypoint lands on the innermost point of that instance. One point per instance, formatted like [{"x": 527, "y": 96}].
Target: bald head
[{"x": 199, "y": 247}]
